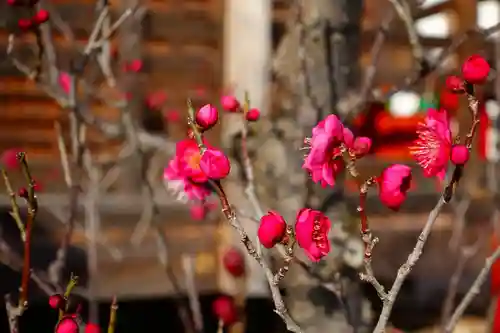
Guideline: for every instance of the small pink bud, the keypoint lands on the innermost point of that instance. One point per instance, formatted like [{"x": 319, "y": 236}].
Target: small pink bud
[
  {"x": 41, "y": 16},
  {"x": 92, "y": 328},
  {"x": 12, "y": 2},
  {"x": 57, "y": 301},
  {"x": 214, "y": 164},
  {"x": 172, "y": 116},
  {"x": 271, "y": 229},
  {"x": 348, "y": 137},
  {"x": 133, "y": 66},
  {"x": 9, "y": 158},
  {"x": 459, "y": 154},
  {"x": 394, "y": 183},
  {"x": 65, "y": 82},
  {"x": 455, "y": 84},
  {"x": 24, "y": 24},
  {"x": 234, "y": 262},
  {"x": 253, "y": 115},
  {"x": 361, "y": 146},
  {"x": 67, "y": 325},
  {"x": 207, "y": 116},
  {"x": 156, "y": 100},
  {"x": 230, "y": 103},
  {"x": 225, "y": 309},
  {"x": 475, "y": 69},
  {"x": 198, "y": 212}
]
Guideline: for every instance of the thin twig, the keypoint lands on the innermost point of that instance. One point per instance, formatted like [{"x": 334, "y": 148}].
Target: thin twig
[
  {"x": 405, "y": 269},
  {"x": 112, "y": 315},
  {"x": 30, "y": 219},
  {"x": 466, "y": 254},
  {"x": 16, "y": 212},
  {"x": 232, "y": 219},
  {"x": 194, "y": 301},
  {"x": 473, "y": 291},
  {"x": 402, "y": 8}
]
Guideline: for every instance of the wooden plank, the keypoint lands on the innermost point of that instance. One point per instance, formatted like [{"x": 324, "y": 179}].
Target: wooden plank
[
  {"x": 147, "y": 278},
  {"x": 183, "y": 27},
  {"x": 182, "y": 236}
]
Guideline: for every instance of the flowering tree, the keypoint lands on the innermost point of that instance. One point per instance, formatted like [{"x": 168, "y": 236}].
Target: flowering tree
[{"x": 199, "y": 169}]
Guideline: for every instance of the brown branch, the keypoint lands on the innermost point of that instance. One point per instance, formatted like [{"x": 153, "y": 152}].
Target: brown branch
[
  {"x": 56, "y": 267},
  {"x": 232, "y": 219},
  {"x": 32, "y": 211}
]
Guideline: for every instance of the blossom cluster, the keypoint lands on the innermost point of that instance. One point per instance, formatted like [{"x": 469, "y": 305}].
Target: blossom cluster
[
  {"x": 70, "y": 320},
  {"x": 41, "y": 16},
  {"x": 331, "y": 149}
]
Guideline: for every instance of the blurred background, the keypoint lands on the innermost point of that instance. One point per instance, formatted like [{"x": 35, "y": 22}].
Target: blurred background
[{"x": 299, "y": 60}]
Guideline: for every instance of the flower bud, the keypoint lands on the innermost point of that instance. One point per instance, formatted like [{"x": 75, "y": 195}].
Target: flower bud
[
  {"x": 253, "y": 114},
  {"x": 24, "y": 24},
  {"x": 207, "y": 116},
  {"x": 230, "y": 103},
  {"x": 475, "y": 69},
  {"x": 225, "y": 310},
  {"x": 271, "y": 229},
  {"x": 361, "y": 146},
  {"x": 67, "y": 325},
  {"x": 57, "y": 302},
  {"x": 41, "y": 16},
  {"x": 214, "y": 164},
  {"x": 459, "y": 154},
  {"x": 455, "y": 84},
  {"x": 92, "y": 328},
  {"x": 234, "y": 262}
]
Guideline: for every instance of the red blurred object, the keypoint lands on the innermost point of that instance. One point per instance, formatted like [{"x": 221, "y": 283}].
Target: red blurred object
[
  {"x": 225, "y": 309},
  {"x": 449, "y": 101},
  {"x": 57, "y": 301},
  {"x": 234, "y": 262},
  {"x": 390, "y": 135},
  {"x": 41, "y": 16},
  {"x": 24, "y": 24},
  {"x": 92, "y": 328}
]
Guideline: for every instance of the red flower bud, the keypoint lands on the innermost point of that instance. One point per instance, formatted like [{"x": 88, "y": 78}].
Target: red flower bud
[
  {"x": 57, "y": 301},
  {"x": 253, "y": 115},
  {"x": 207, "y": 116},
  {"x": 459, "y": 154},
  {"x": 271, "y": 229},
  {"x": 67, "y": 325},
  {"x": 41, "y": 16},
  {"x": 92, "y": 328},
  {"x": 24, "y": 24},
  {"x": 475, "y": 69},
  {"x": 455, "y": 84},
  {"x": 449, "y": 101},
  {"x": 234, "y": 262},
  {"x": 230, "y": 103},
  {"x": 225, "y": 309}
]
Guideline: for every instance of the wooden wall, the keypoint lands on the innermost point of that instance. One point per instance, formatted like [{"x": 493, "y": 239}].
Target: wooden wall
[{"x": 181, "y": 50}]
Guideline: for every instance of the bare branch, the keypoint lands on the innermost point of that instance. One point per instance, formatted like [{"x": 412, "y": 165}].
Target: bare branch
[
  {"x": 473, "y": 291},
  {"x": 232, "y": 219},
  {"x": 194, "y": 302},
  {"x": 403, "y": 10}
]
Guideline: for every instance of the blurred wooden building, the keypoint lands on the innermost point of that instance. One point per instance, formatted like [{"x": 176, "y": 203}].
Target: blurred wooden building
[{"x": 182, "y": 45}]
